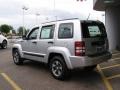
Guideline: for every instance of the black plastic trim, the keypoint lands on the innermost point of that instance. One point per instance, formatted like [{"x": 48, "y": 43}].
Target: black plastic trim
[{"x": 34, "y": 55}]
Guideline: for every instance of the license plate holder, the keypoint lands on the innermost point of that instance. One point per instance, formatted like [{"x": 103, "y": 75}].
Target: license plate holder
[{"x": 99, "y": 49}]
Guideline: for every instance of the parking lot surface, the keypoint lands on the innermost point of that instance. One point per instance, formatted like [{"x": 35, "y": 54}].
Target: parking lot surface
[{"x": 36, "y": 76}]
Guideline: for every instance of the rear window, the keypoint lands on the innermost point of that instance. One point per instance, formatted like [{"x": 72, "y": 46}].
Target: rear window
[{"x": 93, "y": 29}]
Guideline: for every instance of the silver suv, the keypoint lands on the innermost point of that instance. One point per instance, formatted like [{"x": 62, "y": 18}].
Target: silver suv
[{"x": 64, "y": 45}]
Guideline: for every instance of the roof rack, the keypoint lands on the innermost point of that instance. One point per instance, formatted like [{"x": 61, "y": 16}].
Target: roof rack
[{"x": 60, "y": 20}]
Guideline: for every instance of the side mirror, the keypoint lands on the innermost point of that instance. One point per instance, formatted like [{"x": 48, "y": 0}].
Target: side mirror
[{"x": 24, "y": 37}]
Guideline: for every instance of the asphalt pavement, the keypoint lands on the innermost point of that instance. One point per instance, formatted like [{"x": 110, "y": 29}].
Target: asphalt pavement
[{"x": 36, "y": 76}]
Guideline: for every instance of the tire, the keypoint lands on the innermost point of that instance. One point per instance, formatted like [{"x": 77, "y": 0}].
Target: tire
[
  {"x": 17, "y": 58},
  {"x": 90, "y": 68},
  {"x": 4, "y": 44},
  {"x": 58, "y": 68}
]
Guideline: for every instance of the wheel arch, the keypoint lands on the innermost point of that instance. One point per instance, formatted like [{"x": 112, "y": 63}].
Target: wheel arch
[
  {"x": 19, "y": 48},
  {"x": 63, "y": 55},
  {"x": 5, "y": 40},
  {"x": 53, "y": 54}
]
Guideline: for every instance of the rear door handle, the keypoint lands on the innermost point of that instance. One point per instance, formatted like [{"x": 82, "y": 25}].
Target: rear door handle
[
  {"x": 21, "y": 41},
  {"x": 50, "y": 42},
  {"x": 34, "y": 42}
]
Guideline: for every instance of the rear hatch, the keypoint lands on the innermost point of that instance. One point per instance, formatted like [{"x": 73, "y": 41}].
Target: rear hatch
[{"x": 95, "y": 38}]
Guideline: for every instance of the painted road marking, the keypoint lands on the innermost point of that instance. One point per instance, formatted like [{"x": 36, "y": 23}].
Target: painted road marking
[
  {"x": 106, "y": 82},
  {"x": 115, "y": 53},
  {"x": 117, "y": 65},
  {"x": 114, "y": 59},
  {"x": 115, "y": 76},
  {"x": 10, "y": 81}
]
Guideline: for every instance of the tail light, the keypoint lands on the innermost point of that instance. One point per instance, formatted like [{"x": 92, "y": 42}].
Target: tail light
[{"x": 79, "y": 48}]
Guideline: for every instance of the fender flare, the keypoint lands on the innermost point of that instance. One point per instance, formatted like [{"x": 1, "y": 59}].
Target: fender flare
[{"x": 62, "y": 51}]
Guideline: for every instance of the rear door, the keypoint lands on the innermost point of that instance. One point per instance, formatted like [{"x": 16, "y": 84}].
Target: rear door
[
  {"x": 95, "y": 37},
  {"x": 46, "y": 40},
  {"x": 65, "y": 36}
]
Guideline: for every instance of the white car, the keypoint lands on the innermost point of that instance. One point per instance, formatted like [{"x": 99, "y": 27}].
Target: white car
[{"x": 3, "y": 41}]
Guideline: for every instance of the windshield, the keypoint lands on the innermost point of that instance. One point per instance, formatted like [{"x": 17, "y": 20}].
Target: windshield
[{"x": 93, "y": 29}]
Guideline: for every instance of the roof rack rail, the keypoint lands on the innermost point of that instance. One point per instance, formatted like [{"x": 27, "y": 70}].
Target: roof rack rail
[{"x": 60, "y": 20}]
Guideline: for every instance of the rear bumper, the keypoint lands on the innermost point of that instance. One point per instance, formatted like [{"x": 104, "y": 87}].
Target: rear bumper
[{"x": 78, "y": 62}]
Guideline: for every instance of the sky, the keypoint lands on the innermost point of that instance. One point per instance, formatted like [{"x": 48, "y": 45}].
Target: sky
[{"x": 11, "y": 11}]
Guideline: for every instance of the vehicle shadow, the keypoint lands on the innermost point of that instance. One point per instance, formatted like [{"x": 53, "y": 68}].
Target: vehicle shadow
[
  {"x": 8, "y": 48},
  {"x": 75, "y": 75},
  {"x": 35, "y": 65},
  {"x": 85, "y": 76},
  {"x": 1, "y": 49}
]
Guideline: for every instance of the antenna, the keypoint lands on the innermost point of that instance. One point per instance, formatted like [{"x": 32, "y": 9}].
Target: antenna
[{"x": 88, "y": 16}]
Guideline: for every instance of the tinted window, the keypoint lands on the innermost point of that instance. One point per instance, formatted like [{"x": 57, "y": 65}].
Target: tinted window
[
  {"x": 93, "y": 29},
  {"x": 47, "y": 32},
  {"x": 65, "y": 30}
]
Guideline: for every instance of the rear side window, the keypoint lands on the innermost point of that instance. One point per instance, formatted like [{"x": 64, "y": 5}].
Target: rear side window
[
  {"x": 93, "y": 29},
  {"x": 65, "y": 31},
  {"x": 47, "y": 32}
]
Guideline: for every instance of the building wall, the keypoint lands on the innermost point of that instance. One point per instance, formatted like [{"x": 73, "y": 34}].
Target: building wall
[
  {"x": 98, "y": 5},
  {"x": 94, "y": 2},
  {"x": 113, "y": 26}
]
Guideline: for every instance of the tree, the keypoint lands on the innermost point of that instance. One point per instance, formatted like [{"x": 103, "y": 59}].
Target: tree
[
  {"x": 11, "y": 28},
  {"x": 13, "y": 31},
  {"x": 5, "y": 28},
  {"x": 20, "y": 30}
]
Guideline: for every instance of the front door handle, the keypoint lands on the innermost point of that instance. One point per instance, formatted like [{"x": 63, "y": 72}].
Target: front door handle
[
  {"x": 22, "y": 41},
  {"x": 34, "y": 42},
  {"x": 50, "y": 42}
]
